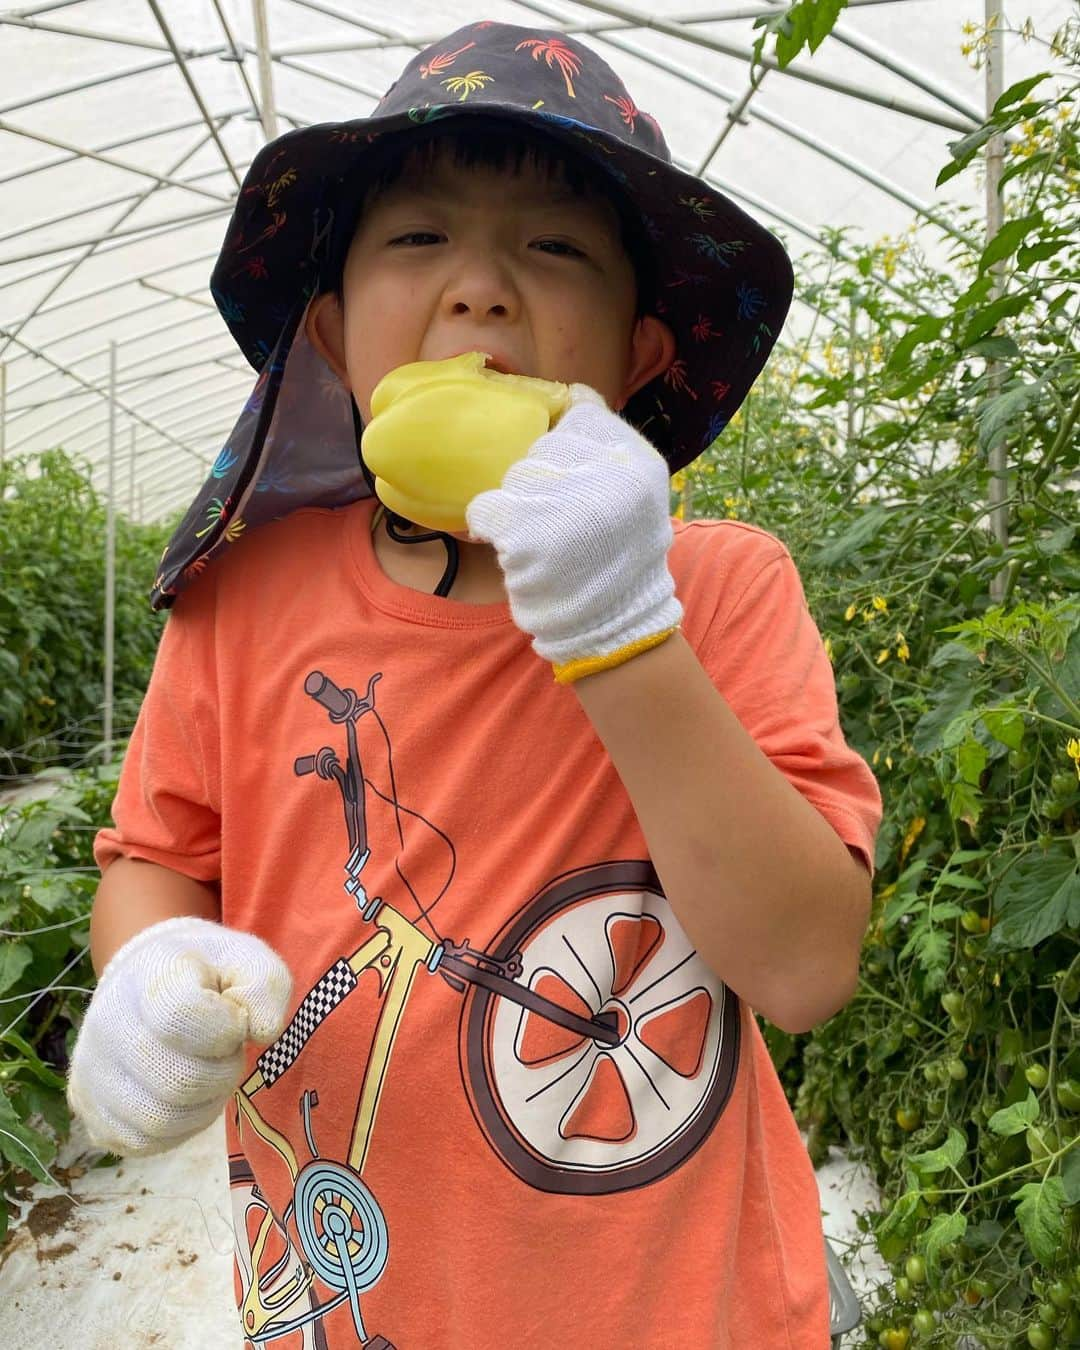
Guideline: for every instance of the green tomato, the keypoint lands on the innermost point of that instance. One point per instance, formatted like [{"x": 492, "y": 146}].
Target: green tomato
[
  {"x": 1036, "y": 1075},
  {"x": 1063, "y": 784},
  {"x": 956, "y": 1069},
  {"x": 1060, "y": 1294},
  {"x": 903, "y": 1288},
  {"x": 924, "y": 1322},
  {"x": 908, "y": 1118},
  {"x": 1068, "y": 1094},
  {"x": 1048, "y": 1315},
  {"x": 971, "y": 921},
  {"x": 952, "y": 1002},
  {"x": 915, "y": 1269},
  {"x": 1026, "y": 512},
  {"x": 1041, "y": 1338}
]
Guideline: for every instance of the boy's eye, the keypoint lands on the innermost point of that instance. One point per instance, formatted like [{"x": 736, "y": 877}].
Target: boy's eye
[
  {"x": 558, "y": 247},
  {"x": 417, "y": 237}
]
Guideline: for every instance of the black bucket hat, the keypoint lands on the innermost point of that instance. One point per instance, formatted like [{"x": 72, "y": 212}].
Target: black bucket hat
[{"x": 722, "y": 282}]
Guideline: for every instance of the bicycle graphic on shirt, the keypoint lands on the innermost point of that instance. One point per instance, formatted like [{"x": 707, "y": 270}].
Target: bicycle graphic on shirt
[{"x": 597, "y": 1052}]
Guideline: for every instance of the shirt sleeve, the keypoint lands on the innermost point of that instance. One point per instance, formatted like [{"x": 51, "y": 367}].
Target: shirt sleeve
[
  {"x": 765, "y": 654},
  {"x": 167, "y": 805}
]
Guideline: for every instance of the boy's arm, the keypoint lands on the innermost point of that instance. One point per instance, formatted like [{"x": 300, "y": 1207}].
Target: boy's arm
[
  {"x": 763, "y": 885},
  {"x": 133, "y": 895}
]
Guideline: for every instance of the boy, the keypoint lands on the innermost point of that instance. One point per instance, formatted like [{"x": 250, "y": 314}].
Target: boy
[{"x": 574, "y": 1135}]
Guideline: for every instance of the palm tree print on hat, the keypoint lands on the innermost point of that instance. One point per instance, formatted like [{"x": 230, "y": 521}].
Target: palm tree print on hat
[
  {"x": 675, "y": 378},
  {"x": 467, "y": 84},
  {"x": 701, "y": 207},
  {"x": 555, "y": 53},
  {"x": 443, "y": 61},
  {"x": 703, "y": 329},
  {"x": 218, "y": 510},
  {"x": 628, "y": 110}
]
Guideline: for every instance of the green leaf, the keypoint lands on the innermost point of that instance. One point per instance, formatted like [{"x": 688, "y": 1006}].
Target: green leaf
[
  {"x": 1041, "y": 1212},
  {"x": 964, "y": 151},
  {"x": 983, "y": 320},
  {"x": 862, "y": 530},
  {"x": 1018, "y": 91},
  {"x": 971, "y": 760},
  {"x": 1024, "y": 165},
  {"x": 1056, "y": 542},
  {"x": 946, "y": 1155},
  {"x": 1005, "y": 243},
  {"x": 896, "y": 1229},
  {"x": 1005, "y": 725},
  {"x": 945, "y": 1228},
  {"x": 997, "y": 415},
  {"x": 19, "y": 1144},
  {"x": 1070, "y": 1177},
  {"x": 923, "y": 330},
  {"x": 14, "y": 958},
  {"x": 960, "y": 882},
  {"x": 34, "y": 1063},
  {"x": 1038, "y": 896},
  {"x": 996, "y": 348},
  {"x": 1016, "y": 1118},
  {"x": 1034, "y": 253},
  {"x": 951, "y": 698}
]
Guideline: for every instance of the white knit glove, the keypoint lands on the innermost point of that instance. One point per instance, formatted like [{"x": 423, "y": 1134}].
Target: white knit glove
[
  {"x": 582, "y": 527},
  {"x": 160, "y": 1050}
]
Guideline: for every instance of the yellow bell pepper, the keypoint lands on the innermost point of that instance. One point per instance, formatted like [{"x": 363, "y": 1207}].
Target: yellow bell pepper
[{"x": 443, "y": 431}]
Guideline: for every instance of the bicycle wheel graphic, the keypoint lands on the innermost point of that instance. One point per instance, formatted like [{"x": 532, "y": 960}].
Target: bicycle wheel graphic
[{"x": 569, "y": 1114}]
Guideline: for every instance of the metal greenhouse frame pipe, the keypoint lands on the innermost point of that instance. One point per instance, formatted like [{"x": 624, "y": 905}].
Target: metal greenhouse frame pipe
[
  {"x": 117, "y": 39},
  {"x": 161, "y": 180},
  {"x": 48, "y": 427},
  {"x": 133, "y": 199},
  {"x": 81, "y": 332},
  {"x": 168, "y": 130},
  {"x": 773, "y": 120},
  {"x": 110, "y": 561},
  {"x": 847, "y": 87},
  {"x": 189, "y": 80},
  {"x": 237, "y": 52},
  {"x": 267, "y": 114},
  {"x": 995, "y": 214},
  {"x": 74, "y": 375}
]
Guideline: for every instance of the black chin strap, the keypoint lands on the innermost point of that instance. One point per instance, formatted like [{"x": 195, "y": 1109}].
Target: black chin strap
[{"x": 395, "y": 524}]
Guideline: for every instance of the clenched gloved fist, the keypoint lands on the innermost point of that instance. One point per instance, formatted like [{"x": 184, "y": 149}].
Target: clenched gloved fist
[
  {"x": 581, "y": 526},
  {"x": 161, "y": 1048}
]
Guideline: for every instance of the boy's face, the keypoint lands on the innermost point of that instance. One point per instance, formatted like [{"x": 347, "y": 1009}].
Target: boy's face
[{"x": 471, "y": 259}]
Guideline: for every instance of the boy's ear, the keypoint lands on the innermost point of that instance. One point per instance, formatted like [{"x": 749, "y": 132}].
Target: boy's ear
[
  {"x": 652, "y": 350},
  {"x": 324, "y": 327}
]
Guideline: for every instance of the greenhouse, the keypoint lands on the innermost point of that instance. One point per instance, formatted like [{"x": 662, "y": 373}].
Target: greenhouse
[{"x": 195, "y": 413}]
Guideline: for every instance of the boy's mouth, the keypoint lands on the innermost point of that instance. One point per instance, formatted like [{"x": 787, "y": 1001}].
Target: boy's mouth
[{"x": 493, "y": 361}]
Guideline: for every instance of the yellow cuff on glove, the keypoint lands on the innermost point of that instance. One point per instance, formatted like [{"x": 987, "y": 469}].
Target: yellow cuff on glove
[{"x": 590, "y": 665}]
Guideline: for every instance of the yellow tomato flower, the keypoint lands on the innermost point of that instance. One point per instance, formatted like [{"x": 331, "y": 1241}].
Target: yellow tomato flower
[
  {"x": 850, "y": 612},
  {"x": 828, "y": 648},
  {"x": 880, "y": 604},
  {"x": 882, "y": 656},
  {"x": 903, "y": 651},
  {"x": 1072, "y": 749}
]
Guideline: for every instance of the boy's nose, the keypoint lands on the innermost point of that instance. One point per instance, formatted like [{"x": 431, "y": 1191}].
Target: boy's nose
[{"x": 481, "y": 290}]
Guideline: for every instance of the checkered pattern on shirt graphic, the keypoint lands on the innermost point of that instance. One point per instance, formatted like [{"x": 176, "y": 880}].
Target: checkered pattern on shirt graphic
[{"x": 324, "y": 997}]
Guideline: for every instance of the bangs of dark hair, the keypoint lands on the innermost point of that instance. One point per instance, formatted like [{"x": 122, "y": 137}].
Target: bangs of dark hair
[{"x": 502, "y": 148}]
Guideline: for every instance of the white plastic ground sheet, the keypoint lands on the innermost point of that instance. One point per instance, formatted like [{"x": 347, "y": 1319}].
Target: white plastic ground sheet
[{"x": 141, "y": 1255}]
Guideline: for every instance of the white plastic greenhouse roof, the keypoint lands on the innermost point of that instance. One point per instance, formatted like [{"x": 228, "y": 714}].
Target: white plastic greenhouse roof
[{"x": 127, "y": 125}]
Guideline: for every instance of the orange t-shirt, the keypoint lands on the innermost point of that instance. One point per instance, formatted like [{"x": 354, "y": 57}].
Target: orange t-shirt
[{"x": 514, "y": 1109}]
